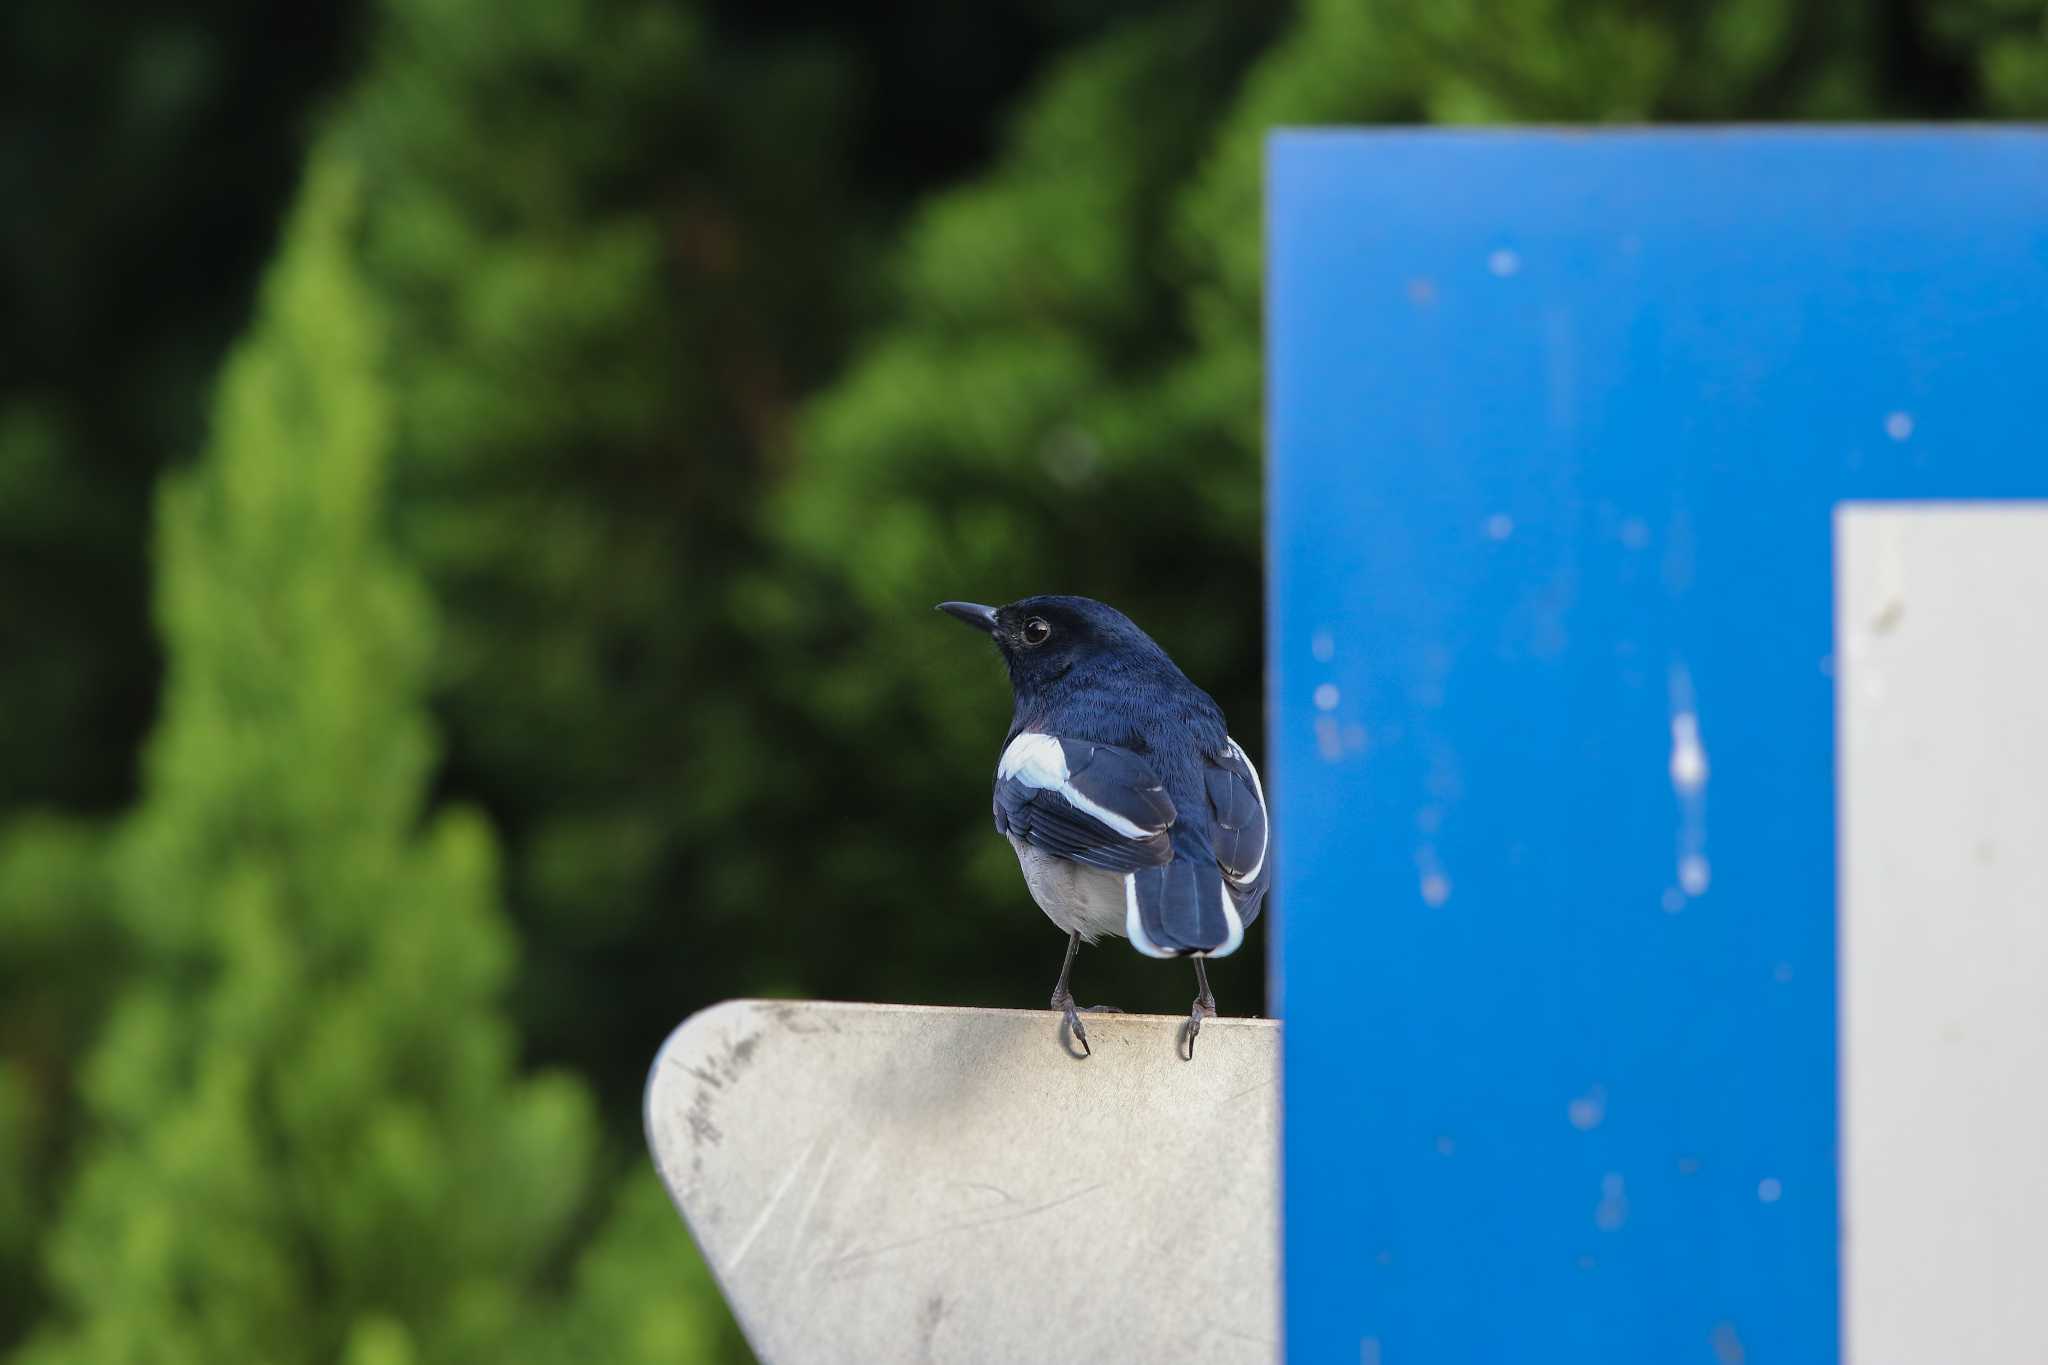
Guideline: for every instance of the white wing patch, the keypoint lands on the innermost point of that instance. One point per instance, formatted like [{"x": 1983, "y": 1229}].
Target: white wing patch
[
  {"x": 1230, "y": 917},
  {"x": 1038, "y": 761},
  {"x": 1236, "y": 751}
]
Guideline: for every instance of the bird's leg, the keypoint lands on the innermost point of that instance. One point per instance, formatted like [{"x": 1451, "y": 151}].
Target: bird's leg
[
  {"x": 1063, "y": 999},
  {"x": 1204, "y": 1008}
]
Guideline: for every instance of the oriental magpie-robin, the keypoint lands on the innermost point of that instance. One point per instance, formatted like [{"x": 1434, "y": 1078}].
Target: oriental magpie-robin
[{"x": 1132, "y": 810}]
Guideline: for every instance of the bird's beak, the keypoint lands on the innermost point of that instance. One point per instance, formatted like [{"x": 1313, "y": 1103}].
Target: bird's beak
[{"x": 973, "y": 613}]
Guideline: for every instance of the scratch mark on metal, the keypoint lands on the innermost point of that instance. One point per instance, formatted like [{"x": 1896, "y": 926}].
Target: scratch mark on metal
[
  {"x": 850, "y": 1259},
  {"x": 1230, "y": 1333},
  {"x": 1266, "y": 1084},
  {"x": 739, "y": 1253},
  {"x": 803, "y": 1219}
]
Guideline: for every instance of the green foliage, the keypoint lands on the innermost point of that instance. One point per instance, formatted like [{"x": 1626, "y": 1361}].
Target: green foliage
[
  {"x": 611, "y": 399},
  {"x": 2003, "y": 46},
  {"x": 607, "y": 312},
  {"x": 145, "y": 153},
  {"x": 310, "y": 1140},
  {"x": 641, "y": 1296},
  {"x": 61, "y": 960}
]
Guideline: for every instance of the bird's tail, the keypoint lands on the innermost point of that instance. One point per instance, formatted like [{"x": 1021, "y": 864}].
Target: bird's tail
[{"x": 1182, "y": 908}]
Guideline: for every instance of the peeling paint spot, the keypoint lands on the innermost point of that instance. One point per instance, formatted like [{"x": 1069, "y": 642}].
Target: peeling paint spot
[
  {"x": 1422, "y": 291},
  {"x": 1327, "y": 697},
  {"x": 1899, "y": 426},
  {"x": 1504, "y": 263},
  {"x": 1323, "y": 645},
  {"x": 1782, "y": 973},
  {"x": 1727, "y": 1345},
  {"x": 1329, "y": 738},
  {"x": 1443, "y": 782},
  {"x": 1690, "y": 772},
  {"x": 1769, "y": 1190},
  {"x": 1354, "y": 737},
  {"x": 1673, "y": 900},
  {"x": 1688, "y": 756},
  {"x": 1499, "y": 526},
  {"x": 1434, "y": 885},
  {"x": 1445, "y": 1146},
  {"x": 1585, "y": 1111},
  {"x": 1688, "y": 1165},
  {"x": 1612, "y": 1210},
  {"x": 1635, "y": 533}
]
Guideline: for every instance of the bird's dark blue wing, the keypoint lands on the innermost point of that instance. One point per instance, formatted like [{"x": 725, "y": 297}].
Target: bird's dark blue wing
[
  {"x": 1090, "y": 803},
  {"x": 1182, "y": 908},
  {"x": 1238, "y": 829}
]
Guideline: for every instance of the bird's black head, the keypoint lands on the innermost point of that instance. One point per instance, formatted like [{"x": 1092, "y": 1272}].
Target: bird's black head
[{"x": 1043, "y": 639}]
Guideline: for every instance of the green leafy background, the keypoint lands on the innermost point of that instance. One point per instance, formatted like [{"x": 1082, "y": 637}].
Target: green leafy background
[{"x": 473, "y": 482}]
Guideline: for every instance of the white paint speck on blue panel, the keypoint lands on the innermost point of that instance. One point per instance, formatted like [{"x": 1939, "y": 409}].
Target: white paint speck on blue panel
[{"x": 1559, "y": 422}]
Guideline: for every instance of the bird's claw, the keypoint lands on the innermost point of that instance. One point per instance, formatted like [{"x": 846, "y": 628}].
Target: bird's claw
[
  {"x": 1203, "y": 1009},
  {"x": 1070, "y": 1019},
  {"x": 1071, "y": 1022}
]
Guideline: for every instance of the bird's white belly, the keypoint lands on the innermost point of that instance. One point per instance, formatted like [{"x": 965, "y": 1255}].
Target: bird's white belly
[{"x": 1073, "y": 897}]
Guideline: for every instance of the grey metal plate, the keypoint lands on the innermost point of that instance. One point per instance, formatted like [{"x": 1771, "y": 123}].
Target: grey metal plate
[{"x": 898, "y": 1183}]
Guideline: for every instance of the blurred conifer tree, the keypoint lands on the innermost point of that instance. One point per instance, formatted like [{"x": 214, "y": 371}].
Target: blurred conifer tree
[
  {"x": 311, "y": 1141},
  {"x": 62, "y": 959},
  {"x": 145, "y": 154}
]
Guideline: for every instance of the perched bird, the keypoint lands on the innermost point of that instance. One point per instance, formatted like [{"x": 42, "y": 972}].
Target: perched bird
[{"x": 1132, "y": 810}]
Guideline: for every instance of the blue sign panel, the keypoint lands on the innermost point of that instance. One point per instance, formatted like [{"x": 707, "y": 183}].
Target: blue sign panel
[{"x": 1558, "y": 424}]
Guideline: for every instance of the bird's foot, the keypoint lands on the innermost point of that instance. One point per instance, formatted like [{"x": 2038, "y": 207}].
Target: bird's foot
[
  {"x": 1070, "y": 1021},
  {"x": 1204, "y": 1008}
]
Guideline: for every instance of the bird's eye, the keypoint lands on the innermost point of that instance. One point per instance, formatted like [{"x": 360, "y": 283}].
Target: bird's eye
[{"x": 1036, "y": 632}]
